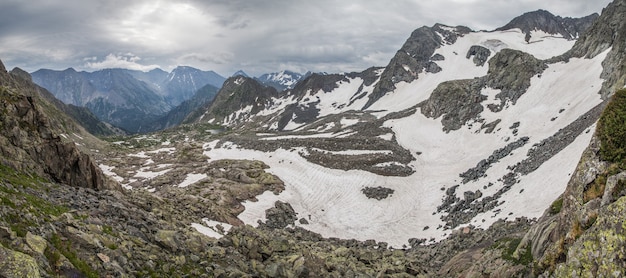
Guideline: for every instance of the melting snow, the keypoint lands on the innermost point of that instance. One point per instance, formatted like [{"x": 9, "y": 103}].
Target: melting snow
[
  {"x": 211, "y": 228},
  {"x": 108, "y": 170},
  {"x": 191, "y": 179},
  {"x": 333, "y": 199}
]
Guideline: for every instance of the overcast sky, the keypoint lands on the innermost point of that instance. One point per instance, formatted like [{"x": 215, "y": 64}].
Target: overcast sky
[{"x": 227, "y": 35}]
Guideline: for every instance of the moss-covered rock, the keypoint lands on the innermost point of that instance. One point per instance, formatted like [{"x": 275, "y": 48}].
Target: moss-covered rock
[
  {"x": 17, "y": 264},
  {"x": 37, "y": 243},
  {"x": 601, "y": 251}
]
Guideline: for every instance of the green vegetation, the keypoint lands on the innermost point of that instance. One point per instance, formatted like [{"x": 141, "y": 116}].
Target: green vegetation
[
  {"x": 65, "y": 248},
  {"x": 508, "y": 247},
  {"x": 612, "y": 130},
  {"x": 556, "y": 206},
  {"x": 109, "y": 231},
  {"x": 595, "y": 189}
]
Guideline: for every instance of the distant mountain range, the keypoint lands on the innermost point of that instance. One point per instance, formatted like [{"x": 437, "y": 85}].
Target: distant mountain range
[
  {"x": 132, "y": 100},
  {"x": 138, "y": 101}
]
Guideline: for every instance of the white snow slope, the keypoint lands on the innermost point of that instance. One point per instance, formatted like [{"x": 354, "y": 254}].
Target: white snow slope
[{"x": 332, "y": 202}]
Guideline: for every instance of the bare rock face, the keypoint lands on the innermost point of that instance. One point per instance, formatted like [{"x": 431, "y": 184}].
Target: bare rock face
[
  {"x": 29, "y": 142},
  {"x": 480, "y": 53},
  {"x": 415, "y": 57},
  {"x": 569, "y": 28}
]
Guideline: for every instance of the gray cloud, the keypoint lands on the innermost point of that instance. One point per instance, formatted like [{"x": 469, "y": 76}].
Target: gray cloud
[{"x": 227, "y": 35}]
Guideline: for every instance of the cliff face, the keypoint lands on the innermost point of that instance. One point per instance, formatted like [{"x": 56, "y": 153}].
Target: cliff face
[{"x": 31, "y": 142}]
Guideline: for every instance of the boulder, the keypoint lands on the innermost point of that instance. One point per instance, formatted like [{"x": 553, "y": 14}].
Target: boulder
[{"x": 17, "y": 264}]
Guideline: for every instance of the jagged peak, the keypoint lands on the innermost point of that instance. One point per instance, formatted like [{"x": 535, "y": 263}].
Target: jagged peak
[
  {"x": 543, "y": 20},
  {"x": 22, "y": 74}
]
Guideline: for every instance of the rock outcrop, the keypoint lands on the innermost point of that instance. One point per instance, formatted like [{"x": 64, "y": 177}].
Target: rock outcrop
[
  {"x": 542, "y": 20},
  {"x": 414, "y": 57},
  {"x": 29, "y": 141}
]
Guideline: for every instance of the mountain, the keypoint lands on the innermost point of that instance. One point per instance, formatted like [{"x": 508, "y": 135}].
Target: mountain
[
  {"x": 132, "y": 100},
  {"x": 282, "y": 80},
  {"x": 183, "y": 82},
  {"x": 240, "y": 72},
  {"x": 154, "y": 78},
  {"x": 460, "y": 128},
  {"x": 80, "y": 114},
  {"x": 542, "y": 20},
  {"x": 470, "y": 154},
  {"x": 238, "y": 93},
  {"x": 34, "y": 135},
  {"x": 204, "y": 96}
]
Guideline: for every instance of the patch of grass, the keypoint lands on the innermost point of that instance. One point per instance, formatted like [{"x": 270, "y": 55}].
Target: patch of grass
[
  {"x": 27, "y": 183},
  {"x": 66, "y": 249},
  {"x": 109, "y": 231},
  {"x": 576, "y": 231},
  {"x": 508, "y": 247},
  {"x": 556, "y": 206},
  {"x": 611, "y": 130},
  {"x": 11, "y": 176},
  {"x": 5, "y": 201},
  {"x": 595, "y": 189}
]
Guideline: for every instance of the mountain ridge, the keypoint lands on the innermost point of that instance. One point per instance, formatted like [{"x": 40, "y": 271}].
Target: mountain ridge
[
  {"x": 129, "y": 99},
  {"x": 482, "y": 153}
]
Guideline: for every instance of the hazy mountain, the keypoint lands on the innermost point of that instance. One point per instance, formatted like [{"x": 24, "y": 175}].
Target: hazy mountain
[
  {"x": 203, "y": 97},
  {"x": 240, "y": 72},
  {"x": 282, "y": 80},
  {"x": 129, "y": 99},
  {"x": 183, "y": 82}
]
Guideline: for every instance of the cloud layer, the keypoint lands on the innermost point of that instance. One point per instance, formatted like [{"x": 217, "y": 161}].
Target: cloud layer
[{"x": 227, "y": 35}]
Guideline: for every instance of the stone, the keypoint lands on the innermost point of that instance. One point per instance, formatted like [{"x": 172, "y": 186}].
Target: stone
[
  {"x": 104, "y": 258},
  {"x": 15, "y": 264},
  {"x": 480, "y": 53},
  {"x": 280, "y": 216},
  {"x": 37, "y": 243},
  {"x": 6, "y": 233},
  {"x": 166, "y": 239}
]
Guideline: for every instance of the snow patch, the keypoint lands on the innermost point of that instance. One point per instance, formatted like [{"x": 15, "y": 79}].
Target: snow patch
[{"x": 191, "y": 179}]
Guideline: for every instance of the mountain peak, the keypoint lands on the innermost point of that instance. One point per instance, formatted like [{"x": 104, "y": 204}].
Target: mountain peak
[
  {"x": 542, "y": 20},
  {"x": 281, "y": 80},
  {"x": 185, "y": 68},
  {"x": 240, "y": 72}
]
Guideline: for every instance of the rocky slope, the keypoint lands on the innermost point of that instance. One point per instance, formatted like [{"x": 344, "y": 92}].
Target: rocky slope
[
  {"x": 237, "y": 93},
  {"x": 31, "y": 137},
  {"x": 504, "y": 148}
]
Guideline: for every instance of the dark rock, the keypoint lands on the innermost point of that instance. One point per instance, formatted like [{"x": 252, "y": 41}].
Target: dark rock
[
  {"x": 437, "y": 57},
  {"x": 569, "y": 28},
  {"x": 457, "y": 101},
  {"x": 377, "y": 193},
  {"x": 480, "y": 53},
  {"x": 280, "y": 216}
]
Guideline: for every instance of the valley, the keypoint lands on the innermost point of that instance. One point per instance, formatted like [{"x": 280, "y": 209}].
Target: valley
[{"x": 472, "y": 153}]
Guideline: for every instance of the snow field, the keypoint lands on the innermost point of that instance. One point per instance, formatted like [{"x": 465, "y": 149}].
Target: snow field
[{"x": 332, "y": 200}]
